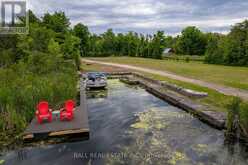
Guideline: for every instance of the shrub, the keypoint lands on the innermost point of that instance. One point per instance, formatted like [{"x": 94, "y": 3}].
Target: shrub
[{"x": 187, "y": 59}]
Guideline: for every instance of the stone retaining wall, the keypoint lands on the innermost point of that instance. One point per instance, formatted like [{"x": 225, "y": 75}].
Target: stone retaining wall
[{"x": 174, "y": 87}]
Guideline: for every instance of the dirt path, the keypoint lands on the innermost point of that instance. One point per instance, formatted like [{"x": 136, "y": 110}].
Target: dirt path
[{"x": 222, "y": 89}]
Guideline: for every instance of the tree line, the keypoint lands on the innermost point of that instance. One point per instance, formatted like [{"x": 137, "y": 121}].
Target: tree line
[
  {"x": 111, "y": 44},
  {"x": 52, "y": 33},
  {"x": 229, "y": 49}
]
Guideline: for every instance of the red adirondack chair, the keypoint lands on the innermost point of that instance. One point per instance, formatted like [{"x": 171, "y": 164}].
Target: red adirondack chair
[
  {"x": 67, "y": 111},
  {"x": 43, "y": 112}
]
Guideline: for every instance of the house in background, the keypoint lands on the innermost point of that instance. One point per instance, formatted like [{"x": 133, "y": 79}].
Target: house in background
[{"x": 168, "y": 52}]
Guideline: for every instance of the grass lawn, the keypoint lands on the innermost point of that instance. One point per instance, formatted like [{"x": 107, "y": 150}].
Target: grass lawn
[
  {"x": 184, "y": 57},
  {"x": 236, "y": 77}
]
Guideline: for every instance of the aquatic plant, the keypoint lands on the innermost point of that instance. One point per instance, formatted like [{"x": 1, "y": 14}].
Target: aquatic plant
[
  {"x": 237, "y": 120},
  {"x": 244, "y": 119},
  {"x": 176, "y": 157},
  {"x": 149, "y": 120},
  {"x": 2, "y": 161},
  {"x": 150, "y": 145},
  {"x": 232, "y": 119}
]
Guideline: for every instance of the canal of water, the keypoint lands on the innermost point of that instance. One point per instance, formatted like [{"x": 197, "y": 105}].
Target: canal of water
[{"x": 130, "y": 126}]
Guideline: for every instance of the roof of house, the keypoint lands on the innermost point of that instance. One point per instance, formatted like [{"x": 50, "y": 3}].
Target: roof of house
[{"x": 167, "y": 50}]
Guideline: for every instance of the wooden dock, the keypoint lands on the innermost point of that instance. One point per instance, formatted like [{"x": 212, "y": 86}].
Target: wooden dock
[{"x": 79, "y": 126}]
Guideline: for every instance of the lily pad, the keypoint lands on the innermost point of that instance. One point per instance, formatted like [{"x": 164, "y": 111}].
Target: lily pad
[
  {"x": 2, "y": 161},
  {"x": 177, "y": 156}
]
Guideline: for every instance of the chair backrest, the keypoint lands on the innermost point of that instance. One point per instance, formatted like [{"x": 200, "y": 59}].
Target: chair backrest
[
  {"x": 69, "y": 105},
  {"x": 43, "y": 107}
]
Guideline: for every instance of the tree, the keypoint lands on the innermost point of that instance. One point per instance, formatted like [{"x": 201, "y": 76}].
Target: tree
[
  {"x": 236, "y": 53},
  {"x": 33, "y": 18},
  {"x": 108, "y": 42},
  {"x": 82, "y": 32},
  {"x": 191, "y": 42},
  {"x": 40, "y": 37},
  {"x": 230, "y": 49},
  {"x": 121, "y": 45},
  {"x": 70, "y": 46},
  {"x": 95, "y": 45},
  {"x": 169, "y": 41},
  {"x": 132, "y": 44},
  {"x": 158, "y": 45},
  {"x": 214, "y": 49},
  {"x": 53, "y": 47},
  {"x": 58, "y": 22}
]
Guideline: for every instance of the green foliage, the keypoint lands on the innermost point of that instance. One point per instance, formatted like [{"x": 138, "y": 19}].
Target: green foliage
[
  {"x": 7, "y": 57},
  {"x": 158, "y": 45},
  {"x": 57, "y": 22},
  {"x": 234, "y": 109},
  {"x": 23, "y": 85},
  {"x": 130, "y": 44},
  {"x": 170, "y": 41},
  {"x": 108, "y": 43},
  {"x": 8, "y": 50},
  {"x": 187, "y": 59},
  {"x": 219, "y": 49},
  {"x": 211, "y": 47},
  {"x": 34, "y": 67},
  {"x": 54, "y": 47},
  {"x": 231, "y": 49},
  {"x": 40, "y": 37},
  {"x": 82, "y": 32},
  {"x": 33, "y": 18},
  {"x": 191, "y": 42},
  {"x": 70, "y": 47},
  {"x": 244, "y": 116}
]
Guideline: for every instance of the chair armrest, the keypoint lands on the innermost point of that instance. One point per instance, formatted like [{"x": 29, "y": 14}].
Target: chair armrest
[
  {"x": 50, "y": 110},
  {"x": 37, "y": 112}
]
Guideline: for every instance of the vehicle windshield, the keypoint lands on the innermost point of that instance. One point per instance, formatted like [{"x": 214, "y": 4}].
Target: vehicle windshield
[{"x": 96, "y": 75}]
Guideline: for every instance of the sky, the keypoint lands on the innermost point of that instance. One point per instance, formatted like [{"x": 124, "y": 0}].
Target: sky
[{"x": 148, "y": 16}]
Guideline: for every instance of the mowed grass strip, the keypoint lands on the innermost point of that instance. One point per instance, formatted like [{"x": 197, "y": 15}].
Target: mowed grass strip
[
  {"x": 236, "y": 77},
  {"x": 217, "y": 101}
]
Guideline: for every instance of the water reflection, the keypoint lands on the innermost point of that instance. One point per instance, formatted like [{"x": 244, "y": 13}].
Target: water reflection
[
  {"x": 130, "y": 126},
  {"x": 97, "y": 94}
]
